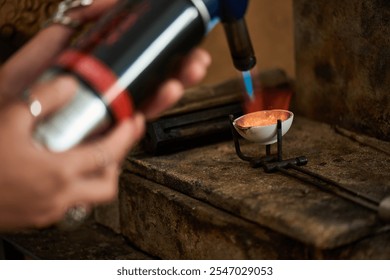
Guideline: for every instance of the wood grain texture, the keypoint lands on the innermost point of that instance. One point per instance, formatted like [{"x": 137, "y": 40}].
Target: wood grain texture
[{"x": 343, "y": 63}]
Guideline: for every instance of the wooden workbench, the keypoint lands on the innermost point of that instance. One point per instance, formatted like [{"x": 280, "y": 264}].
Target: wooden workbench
[{"x": 207, "y": 203}]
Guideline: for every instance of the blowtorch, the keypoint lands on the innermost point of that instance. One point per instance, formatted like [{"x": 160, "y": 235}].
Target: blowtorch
[{"x": 120, "y": 61}]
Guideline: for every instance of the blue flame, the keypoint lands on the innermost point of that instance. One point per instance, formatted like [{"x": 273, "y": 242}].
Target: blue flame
[{"x": 248, "y": 84}]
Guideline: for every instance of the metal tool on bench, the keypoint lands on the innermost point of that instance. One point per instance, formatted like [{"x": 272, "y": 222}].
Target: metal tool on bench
[{"x": 272, "y": 132}]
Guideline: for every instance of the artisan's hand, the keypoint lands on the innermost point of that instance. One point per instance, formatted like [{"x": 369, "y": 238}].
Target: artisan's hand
[{"x": 36, "y": 186}]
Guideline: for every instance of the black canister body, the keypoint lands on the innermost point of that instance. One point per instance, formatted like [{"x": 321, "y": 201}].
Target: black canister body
[{"x": 119, "y": 63}]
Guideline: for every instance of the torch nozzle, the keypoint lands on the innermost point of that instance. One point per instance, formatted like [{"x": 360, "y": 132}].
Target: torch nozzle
[{"x": 240, "y": 44}]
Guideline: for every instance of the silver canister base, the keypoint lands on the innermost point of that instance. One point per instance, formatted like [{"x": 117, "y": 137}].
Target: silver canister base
[{"x": 85, "y": 115}]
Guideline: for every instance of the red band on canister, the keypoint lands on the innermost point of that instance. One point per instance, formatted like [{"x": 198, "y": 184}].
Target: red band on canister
[{"x": 102, "y": 79}]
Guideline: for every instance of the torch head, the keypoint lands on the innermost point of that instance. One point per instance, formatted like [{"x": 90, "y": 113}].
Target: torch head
[{"x": 231, "y": 14}]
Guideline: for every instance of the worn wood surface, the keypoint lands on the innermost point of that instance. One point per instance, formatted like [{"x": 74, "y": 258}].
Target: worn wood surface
[
  {"x": 171, "y": 225},
  {"x": 88, "y": 242},
  {"x": 216, "y": 176},
  {"x": 343, "y": 63}
]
